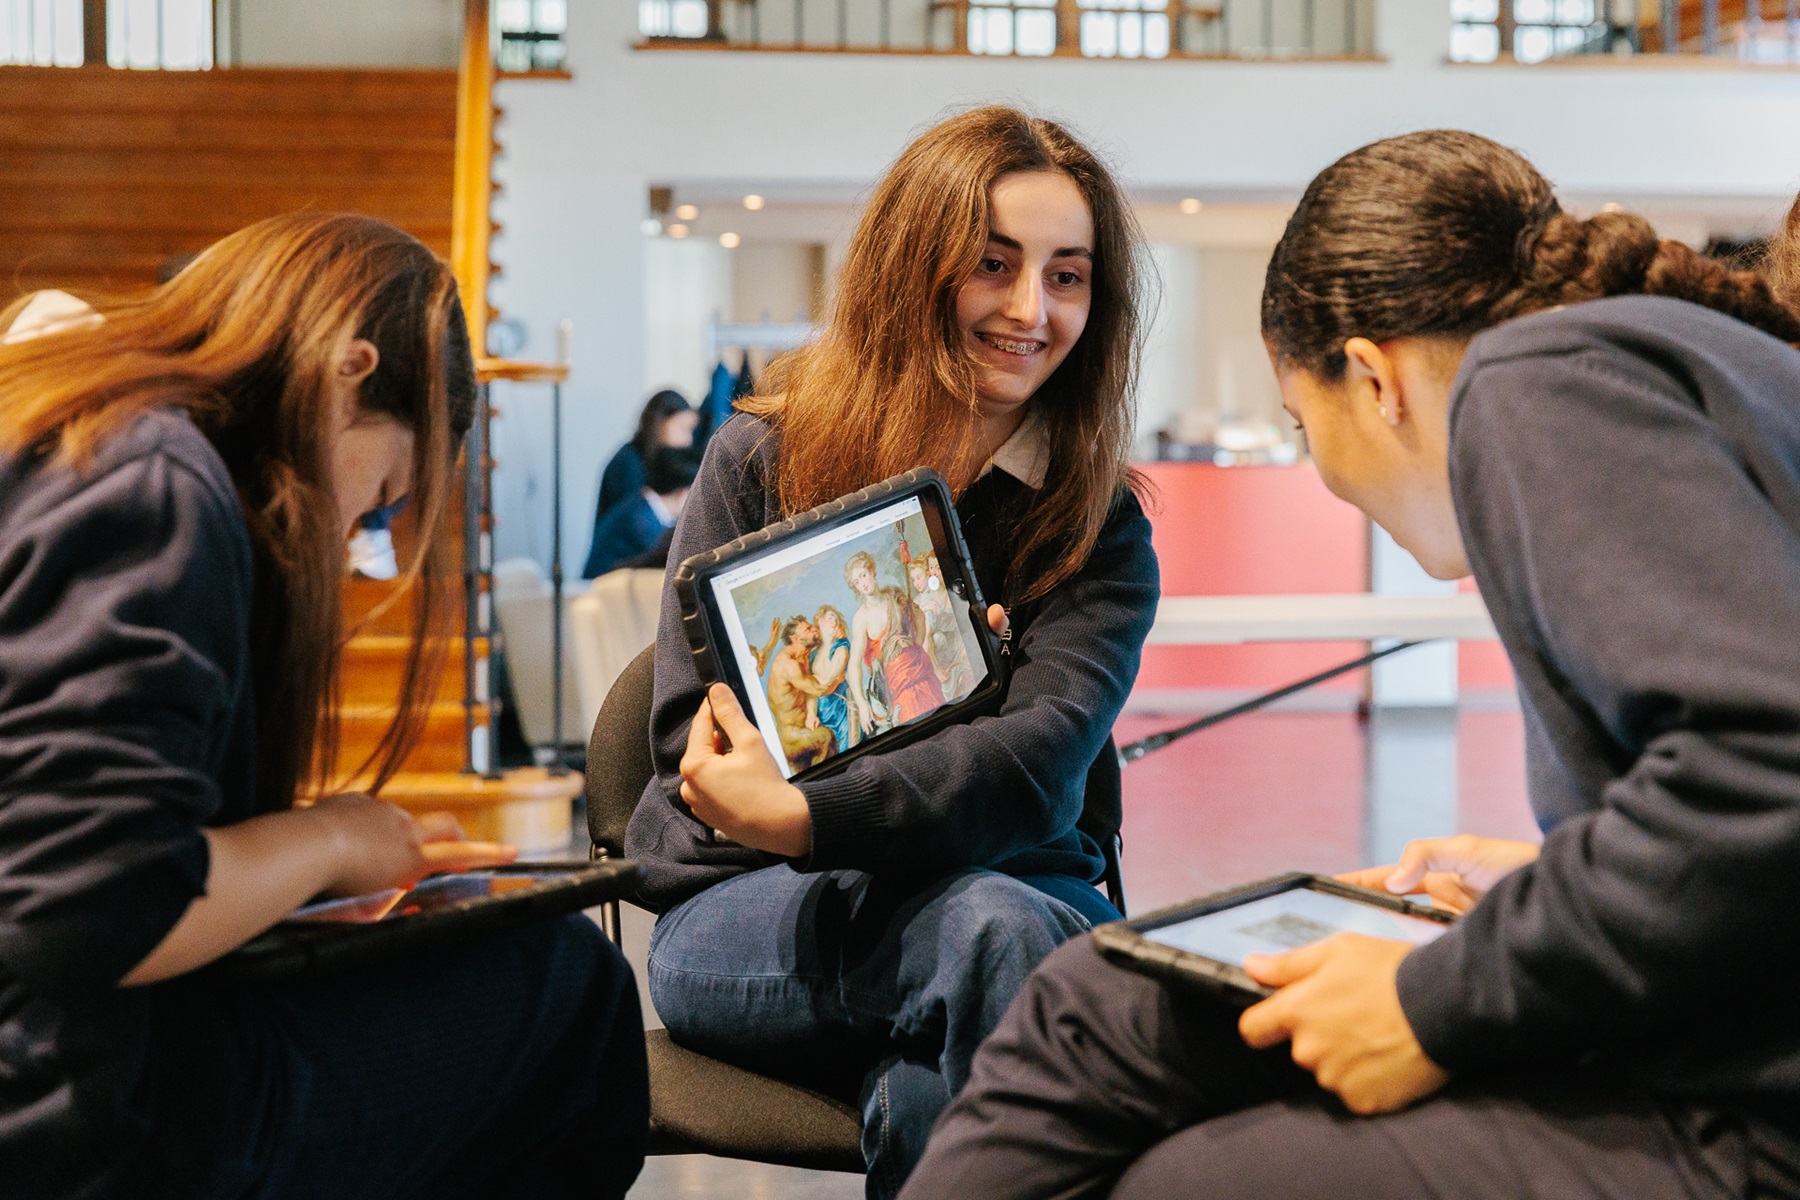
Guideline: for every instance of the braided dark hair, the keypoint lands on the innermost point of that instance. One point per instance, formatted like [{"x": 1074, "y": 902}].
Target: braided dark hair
[{"x": 1446, "y": 233}]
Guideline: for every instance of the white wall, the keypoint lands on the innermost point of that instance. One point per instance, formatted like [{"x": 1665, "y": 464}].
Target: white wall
[
  {"x": 349, "y": 33},
  {"x": 581, "y": 154}
]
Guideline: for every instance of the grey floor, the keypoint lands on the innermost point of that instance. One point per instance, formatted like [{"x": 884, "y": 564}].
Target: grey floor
[{"x": 1266, "y": 793}]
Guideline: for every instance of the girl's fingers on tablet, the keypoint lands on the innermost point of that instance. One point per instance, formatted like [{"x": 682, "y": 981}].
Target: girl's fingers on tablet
[
  {"x": 730, "y": 715},
  {"x": 1266, "y": 1024},
  {"x": 439, "y": 827},
  {"x": 1373, "y": 878},
  {"x": 702, "y": 738},
  {"x": 997, "y": 620},
  {"x": 467, "y": 856},
  {"x": 1279, "y": 970}
]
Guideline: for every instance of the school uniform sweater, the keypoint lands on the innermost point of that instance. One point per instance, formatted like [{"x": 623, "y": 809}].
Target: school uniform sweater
[
  {"x": 1003, "y": 791},
  {"x": 125, "y": 727},
  {"x": 1627, "y": 480}
]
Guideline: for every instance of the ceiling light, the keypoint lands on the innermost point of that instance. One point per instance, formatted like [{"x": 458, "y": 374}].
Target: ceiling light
[
  {"x": 686, "y": 212},
  {"x": 678, "y": 231},
  {"x": 1190, "y": 206},
  {"x": 729, "y": 240},
  {"x": 753, "y": 202}
]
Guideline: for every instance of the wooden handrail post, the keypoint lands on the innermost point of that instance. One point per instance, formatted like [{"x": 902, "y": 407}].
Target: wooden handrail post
[
  {"x": 1068, "y": 27},
  {"x": 93, "y": 33},
  {"x": 471, "y": 223}
]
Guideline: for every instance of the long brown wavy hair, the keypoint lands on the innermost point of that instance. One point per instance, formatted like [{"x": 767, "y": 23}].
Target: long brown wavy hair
[
  {"x": 889, "y": 386},
  {"x": 1446, "y": 233},
  {"x": 242, "y": 340}
]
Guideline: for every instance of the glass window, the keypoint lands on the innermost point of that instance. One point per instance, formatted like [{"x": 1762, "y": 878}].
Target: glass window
[
  {"x": 531, "y": 32},
  {"x": 656, "y": 18},
  {"x": 171, "y": 34},
  {"x": 1125, "y": 28},
  {"x": 1474, "y": 43},
  {"x": 1541, "y": 28},
  {"x": 41, "y": 33},
  {"x": 1474, "y": 10}
]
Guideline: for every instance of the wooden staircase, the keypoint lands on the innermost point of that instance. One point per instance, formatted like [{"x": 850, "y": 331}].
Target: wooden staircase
[
  {"x": 108, "y": 174},
  {"x": 528, "y": 807}
]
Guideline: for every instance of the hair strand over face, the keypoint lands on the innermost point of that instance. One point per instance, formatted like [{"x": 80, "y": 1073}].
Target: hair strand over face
[{"x": 243, "y": 340}]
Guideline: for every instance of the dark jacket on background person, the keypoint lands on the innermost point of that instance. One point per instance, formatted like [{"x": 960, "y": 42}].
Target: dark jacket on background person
[
  {"x": 627, "y": 532},
  {"x": 1003, "y": 791},
  {"x": 622, "y": 480},
  {"x": 1627, "y": 479}
]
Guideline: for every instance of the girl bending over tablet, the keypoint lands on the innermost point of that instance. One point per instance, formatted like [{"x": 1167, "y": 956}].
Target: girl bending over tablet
[
  {"x": 178, "y": 475},
  {"x": 879, "y": 921},
  {"x": 1601, "y": 427}
]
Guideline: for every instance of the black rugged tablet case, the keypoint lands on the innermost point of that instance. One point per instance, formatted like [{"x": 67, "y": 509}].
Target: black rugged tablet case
[
  {"x": 1124, "y": 944},
  {"x": 315, "y": 951},
  {"x": 709, "y": 662}
]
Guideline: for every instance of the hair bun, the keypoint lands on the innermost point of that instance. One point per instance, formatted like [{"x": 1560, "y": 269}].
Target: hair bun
[{"x": 1607, "y": 254}]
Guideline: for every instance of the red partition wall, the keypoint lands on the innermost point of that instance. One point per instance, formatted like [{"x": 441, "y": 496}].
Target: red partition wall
[
  {"x": 1243, "y": 531},
  {"x": 1481, "y": 667}
]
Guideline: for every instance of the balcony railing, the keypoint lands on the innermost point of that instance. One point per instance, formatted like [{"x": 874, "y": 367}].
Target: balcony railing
[
  {"x": 1750, "y": 31},
  {"x": 1139, "y": 29}
]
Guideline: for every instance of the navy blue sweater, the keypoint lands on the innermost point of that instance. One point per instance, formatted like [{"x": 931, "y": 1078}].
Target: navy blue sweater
[
  {"x": 125, "y": 726},
  {"x": 1627, "y": 479},
  {"x": 1003, "y": 791}
]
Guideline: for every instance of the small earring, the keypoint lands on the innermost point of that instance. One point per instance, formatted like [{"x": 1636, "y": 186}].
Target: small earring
[{"x": 1384, "y": 412}]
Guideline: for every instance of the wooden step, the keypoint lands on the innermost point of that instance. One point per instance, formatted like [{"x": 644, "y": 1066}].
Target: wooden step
[
  {"x": 528, "y": 808},
  {"x": 441, "y": 745},
  {"x": 101, "y": 205},
  {"x": 237, "y": 90},
  {"x": 362, "y": 597},
  {"x": 428, "y": 165},
  {"x": 265, "y": 130},
  {"x": 372, "y": 667}
]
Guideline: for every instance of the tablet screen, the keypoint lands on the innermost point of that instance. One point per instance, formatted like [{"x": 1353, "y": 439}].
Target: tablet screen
[
  {"x": 1286, "y": 921},
  {"x": 438, "y": 891},
  {"x": 850, "y": 633}
]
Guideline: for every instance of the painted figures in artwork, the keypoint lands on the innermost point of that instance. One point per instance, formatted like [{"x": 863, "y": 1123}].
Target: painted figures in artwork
[
  {"x": 944, "y": 639},
  {"x": 830, "y": 668},
  {"x": 793, "y": 696},
  {"x": 892, "y": 678}
]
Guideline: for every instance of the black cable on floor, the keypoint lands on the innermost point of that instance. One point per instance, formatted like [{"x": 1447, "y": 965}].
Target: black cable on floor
[{"x": 1135, "y": 750}]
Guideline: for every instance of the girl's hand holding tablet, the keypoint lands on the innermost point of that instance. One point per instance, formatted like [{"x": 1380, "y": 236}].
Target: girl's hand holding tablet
[
  {"x": 730, "y": 781},
  {"x": 1338, "y": 1003},
  {"x": 1340, "y": 1009}
]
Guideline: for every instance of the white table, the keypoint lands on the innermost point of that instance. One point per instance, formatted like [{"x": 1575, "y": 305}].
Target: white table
[{"x": 1353, "y": 617}]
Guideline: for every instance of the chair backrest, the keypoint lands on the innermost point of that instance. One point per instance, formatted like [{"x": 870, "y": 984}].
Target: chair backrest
[
  {"x": 609, "y": 623},
  {"x": 619, "y": 765}
]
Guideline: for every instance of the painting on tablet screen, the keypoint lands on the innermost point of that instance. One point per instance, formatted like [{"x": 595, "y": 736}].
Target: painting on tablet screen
[{"x": 849, "y": 636}]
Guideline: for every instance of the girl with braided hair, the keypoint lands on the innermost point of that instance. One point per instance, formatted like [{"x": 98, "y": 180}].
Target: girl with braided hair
[{"x": 1600, "y": 426}]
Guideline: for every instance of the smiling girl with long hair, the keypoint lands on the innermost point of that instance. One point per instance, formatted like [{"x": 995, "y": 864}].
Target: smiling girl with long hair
[{"x": 986, "y": 324}]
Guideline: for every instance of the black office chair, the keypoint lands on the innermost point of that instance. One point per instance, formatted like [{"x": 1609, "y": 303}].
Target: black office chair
[{"x": 700, "y": 1105}]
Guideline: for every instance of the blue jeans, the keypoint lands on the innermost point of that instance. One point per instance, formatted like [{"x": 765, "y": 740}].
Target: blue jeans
[{"x": 876, "y": 987}]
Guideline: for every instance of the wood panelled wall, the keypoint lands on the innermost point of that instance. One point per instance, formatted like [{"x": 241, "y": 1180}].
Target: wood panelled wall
[{"x": 107, "y": 174}]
